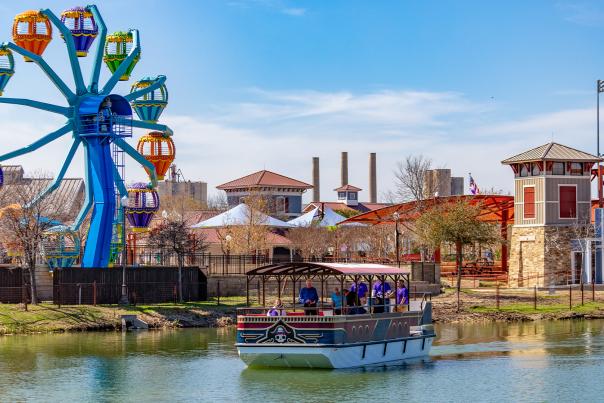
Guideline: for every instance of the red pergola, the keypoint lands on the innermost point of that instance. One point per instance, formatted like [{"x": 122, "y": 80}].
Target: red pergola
[{"x": 494, "y": 208}]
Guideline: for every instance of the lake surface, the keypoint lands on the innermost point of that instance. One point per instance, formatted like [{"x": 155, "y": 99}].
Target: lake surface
[{"x": 542, "y": 361}]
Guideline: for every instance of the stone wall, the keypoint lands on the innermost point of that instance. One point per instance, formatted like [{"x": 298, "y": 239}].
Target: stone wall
[{"x": 539, "y": 256}]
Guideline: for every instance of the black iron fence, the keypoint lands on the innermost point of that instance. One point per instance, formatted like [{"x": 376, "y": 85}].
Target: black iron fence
[
  {"x": 228, "y": 265},
  {"x": 148, "y": 285}
]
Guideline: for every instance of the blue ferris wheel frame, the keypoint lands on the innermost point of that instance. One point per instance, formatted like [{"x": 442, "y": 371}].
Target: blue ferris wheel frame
[{"x": 97, "y": 118}]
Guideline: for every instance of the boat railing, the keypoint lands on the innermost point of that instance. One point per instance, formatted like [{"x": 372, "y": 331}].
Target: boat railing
[{"x": 416, "y": 303}]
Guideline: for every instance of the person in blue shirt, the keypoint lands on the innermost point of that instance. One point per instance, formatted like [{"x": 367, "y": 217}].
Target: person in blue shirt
[
  {"x": 336, "y": 301},
  {"x": 361, "y": 292},
  {"x": 309, "y": 297},
  {"x": 381, "y": 293}
]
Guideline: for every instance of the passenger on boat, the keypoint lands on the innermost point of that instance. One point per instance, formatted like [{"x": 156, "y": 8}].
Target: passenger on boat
[
  {"x": 336, "y": 301},
  {"x": 353, "y": 304},
  {"x": 402, "y": 296},
  {"x": 277, "y": 309},
  {"x": 361, "y": 292},
  {"x": 381, "y": 296},
  {"x": 309, "y": 297}
]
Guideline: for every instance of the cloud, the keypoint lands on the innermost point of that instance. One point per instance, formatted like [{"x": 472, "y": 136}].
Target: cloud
[
  {"x": 279, "y": 5},
  {"x": 297, "y": 12},
  {"x": 582, "y": 14},
  {"x": 283, "y": 130}
]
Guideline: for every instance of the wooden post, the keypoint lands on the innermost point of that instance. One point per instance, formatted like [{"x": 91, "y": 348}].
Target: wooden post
[
  {"x": 497, "y": 295},
  {"x": 263, "y": 291},
  {"x": 582, "y": 300},
  {"x": 24, "y": 296},
  {"x": 535, "y": 298},
  {"x": 593, "y": 291},
  {"x": 247, "y": 292},
  {"x": 570, "y": 297},
  {"x": 94, "y": 293}
]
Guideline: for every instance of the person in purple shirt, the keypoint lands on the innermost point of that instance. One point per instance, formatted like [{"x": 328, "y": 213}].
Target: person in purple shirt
[
  {"x": 402, "y": 295},
  {"x": 381, "y": 293},
  {"x": 361, "y": 292}
]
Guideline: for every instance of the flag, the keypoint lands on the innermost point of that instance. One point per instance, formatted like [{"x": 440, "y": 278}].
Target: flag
[{"x": 473, "y": 186}]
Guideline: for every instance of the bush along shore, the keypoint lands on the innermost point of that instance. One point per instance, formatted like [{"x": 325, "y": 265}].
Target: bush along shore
[{"x": 476, "y": 305}]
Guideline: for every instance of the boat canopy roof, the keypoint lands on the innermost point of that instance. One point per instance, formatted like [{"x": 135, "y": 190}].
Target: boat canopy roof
[{"x": 328, "y": 269}]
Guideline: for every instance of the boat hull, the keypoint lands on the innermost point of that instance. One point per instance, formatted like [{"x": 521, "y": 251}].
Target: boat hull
[{"x": 345, "y": 356}]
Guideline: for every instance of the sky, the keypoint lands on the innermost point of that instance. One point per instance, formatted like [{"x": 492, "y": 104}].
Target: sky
[{"x": 269, "y": 84}]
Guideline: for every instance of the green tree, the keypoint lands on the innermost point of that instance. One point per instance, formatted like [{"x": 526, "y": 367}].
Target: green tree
[{"x": 458, "y": 223}]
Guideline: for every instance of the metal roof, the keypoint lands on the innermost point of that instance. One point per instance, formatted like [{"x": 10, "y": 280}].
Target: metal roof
[
  {"x": 552, "y": 152},
  {"x": 349, "y": 188},
  {"x": 328, "y": 269},
  {"x": 494, "y": 208},
  {"x": 264, "y": 178}
]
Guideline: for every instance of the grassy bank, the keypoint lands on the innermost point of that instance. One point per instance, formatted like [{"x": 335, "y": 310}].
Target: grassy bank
[
  {"x": 516, "y": 305},
  {"x": 50, "y": 318}
]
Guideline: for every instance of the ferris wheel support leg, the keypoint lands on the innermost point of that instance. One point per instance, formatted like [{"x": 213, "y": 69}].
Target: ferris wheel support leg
[
  {"x": 131, "y": 151},
  {"x": 93, "y": 86},
  {"x": 98, "y": 242},
  {"x": 37, "y": 144},
  {"x": 141, "y": 124},
  {"x": 60, "y": 84},
  {"x": 119, "y": 183},
  {"x": 73, "y": 58},
  {"x": 57, "y": 181},
  {"x": 134, "y": 52},
  {"x": 89, "y": 196},
  {"x": 137, "y": 94},
  {"x": 38, "y": 105}
]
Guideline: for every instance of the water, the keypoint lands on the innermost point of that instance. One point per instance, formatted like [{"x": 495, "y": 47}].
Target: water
[{"x": 544, "y": 361}]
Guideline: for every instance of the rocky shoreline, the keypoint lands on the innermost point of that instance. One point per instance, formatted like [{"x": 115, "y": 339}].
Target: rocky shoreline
[{"x": 476, "y": 306}]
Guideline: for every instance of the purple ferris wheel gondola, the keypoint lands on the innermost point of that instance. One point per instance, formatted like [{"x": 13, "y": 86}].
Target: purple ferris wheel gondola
[
  {"x": 143, "y": 203},
  {"x": 84, "y": 29}
]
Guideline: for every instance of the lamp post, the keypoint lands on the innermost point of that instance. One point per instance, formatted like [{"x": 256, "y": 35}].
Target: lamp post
[
  {"x": 124, "y": 298},
  {"x": 396, "y": 217},
  {"x": 599, "y": 89}
]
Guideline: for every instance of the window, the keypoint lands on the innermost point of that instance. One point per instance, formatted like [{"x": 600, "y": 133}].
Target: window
[
  {"x": 535, "y": 169},
  {"x": 576, "y": 168},
  {"x": 529, "y": 202},
  {"x": 558, "y": 168},
  {"x": 352, "y": 195},
  {"x": 568, "y": 201},
  {"x": 341, "y": 195},
  {"x": 280, "y": 204},
  {"x": 524, "y": 170}
]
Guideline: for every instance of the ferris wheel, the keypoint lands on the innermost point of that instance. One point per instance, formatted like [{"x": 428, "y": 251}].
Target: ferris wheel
[{"x": 97, "y": 118}]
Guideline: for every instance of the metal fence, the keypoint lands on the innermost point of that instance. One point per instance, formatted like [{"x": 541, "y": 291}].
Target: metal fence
[{"x": 144, "y": 285}]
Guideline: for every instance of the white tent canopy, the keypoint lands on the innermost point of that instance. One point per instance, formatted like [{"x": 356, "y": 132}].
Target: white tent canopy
[
  {"x": 330, "y": 218},
  {"x": 240, "y": 215}
]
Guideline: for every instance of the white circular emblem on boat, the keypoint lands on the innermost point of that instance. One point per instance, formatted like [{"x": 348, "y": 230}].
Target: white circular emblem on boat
[{"x": 280, "y": 335}]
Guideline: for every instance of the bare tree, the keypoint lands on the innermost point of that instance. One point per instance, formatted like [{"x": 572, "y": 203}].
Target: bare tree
[
  {"x": 218, "y": 202},
  {"x": 23, "y": 223},
  {"x": 250, "y": 236},
  {"x": 412, "y": 181},
  {"x": 174, "y": 236},
  {"x": 310, "y": 241}
]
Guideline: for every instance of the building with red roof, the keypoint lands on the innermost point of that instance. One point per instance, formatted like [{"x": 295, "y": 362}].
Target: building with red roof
[{"x": 284, "y": 194}]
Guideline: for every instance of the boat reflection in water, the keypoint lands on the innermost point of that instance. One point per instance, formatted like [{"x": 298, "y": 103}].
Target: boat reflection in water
[{"x": 323, "y": 338}]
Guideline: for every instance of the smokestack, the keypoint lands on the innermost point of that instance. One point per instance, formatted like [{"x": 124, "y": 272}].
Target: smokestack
[
  {"x": 344, "y": 168},
  {"x": 316, "y": 186},
  {"x": 372, "y": 178}
]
